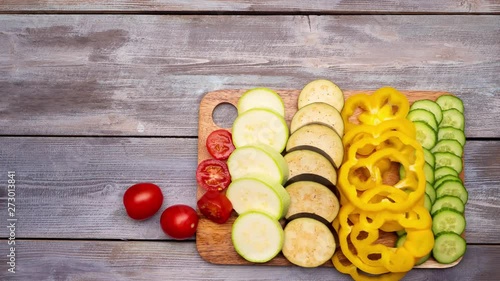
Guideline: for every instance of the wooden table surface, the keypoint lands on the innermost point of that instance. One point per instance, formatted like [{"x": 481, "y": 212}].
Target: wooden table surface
[{"x": 98, "y": 95}]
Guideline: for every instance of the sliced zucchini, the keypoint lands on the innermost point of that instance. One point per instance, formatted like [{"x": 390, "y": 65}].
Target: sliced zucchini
[
  {"x": 425, "y": 135},
  {"x": 258, "y": 160},
  {"x": 260, "y": 126},
  {"x": 429, "y": 157},
  {"x": 448, "y": 247},
  {"x": 312, "y": 197},
  {"x": 444, "y": 171},
  {"x": 257, "y": 237},
  {"x": 321, "y": 91},
  {"x": 451, "y": 146},
  {"x": 251, "y": 194},
  {"x": 453, "y": 118},
  {"x": 261, "y": 98},
  {"x": 448, "y": 201},
  {"x": 429, "y": 173},
  {"x": 304, "y": 163},
  {"x": 319, "y": 138},
  {"x": 318, "y": 112},
  {"x": 449, "y": 101},
  {"x": 450, "y": 133},
  {"x": 454, "y": 188},
  {"x": 429, "y": 190},
  {"x": 308, "y": 242},
  {"x": 448, "y": 220},
  {"x": 430, "y": 106},
  {"x": 446, "y": 159},
  {"x": 424, "y": 116}
]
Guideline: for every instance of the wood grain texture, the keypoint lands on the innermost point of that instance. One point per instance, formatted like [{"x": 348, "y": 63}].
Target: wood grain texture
[
  {"x": 144, "y": 75},
  {"x": 104, "y": 260},
  {"x": 73, "y": 187},
  {"x": 213, "y": 240},
  {"x": 318, "y": 6}
]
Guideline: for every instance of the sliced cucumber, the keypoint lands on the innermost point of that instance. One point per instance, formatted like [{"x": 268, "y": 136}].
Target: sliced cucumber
[
  {"x": 450, "y": 133},
  {"x": 307, "y": 162},
  {"x": 321, "y": 91},
  {"x": 250, "y": 194},
  {"x": 449, "y": 101},
  {"x": 444, "y": 171},
  {"x": 451, "y": 146},
  {"x": 258, "y": 160},
  {"x": 425, "y": 135},
  {"x": 318, "y": 112},
  {"x": 311, "y": 197},
  {"x": 445, "y": 178},
  {"x": 308, "y": 242},
  {"x": 260, "y": 126},
  {"x": 261, "y": 98},
  {"x": 446, "y": 159},
  {"x": 448, "y": 247},
  {"x": 448, "y": 220},
  {"x": 430, "y": 106},
  {"x": 427, "y": 202},
  {"x": 429, "y": 173},
  {"x": 453, "y": 118},
  {"x": 429, "y": 157},
  {"x": 448, "y": 201},
  {"x": 424, "y": 116},
  {"x": 429, "y": 190},
  {"x": 257, "y": 237},
  {"x": 454, "y": 188}
]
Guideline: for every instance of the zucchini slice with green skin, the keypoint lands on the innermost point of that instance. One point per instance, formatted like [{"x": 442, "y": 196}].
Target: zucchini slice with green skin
[
  {"x": 430, "y": 106},
  {"x": 454, "y": 188},
  {"x": 308, "y": 242},
  {"x": 429, "y": 157},
  {"x": 448, "y": 201},
  {"x": 261, "y": 98},
  {"x": 257, "y": 237},
  {"x": 260, "y": 126},
  {"x": 448, "y": 247},
  {"x": 450, "y": 133},
  {"x": 453, "y": 118},
  {"x": 449, "y": 101},
  {"x": 321, "y": 91},
  {"x": 318, "y": 112},
  {"x": 451, "y": 146},
  {"x": 448, "y": 220},
  {"x": 449, "y": 160},
  {"x": 307, "y": 162},
  {"x": 444, "y": 171},
  {"x": 425, "y": 135},
  {"x": 312, "y": 197},
  {"x": 424, "y": 116}
]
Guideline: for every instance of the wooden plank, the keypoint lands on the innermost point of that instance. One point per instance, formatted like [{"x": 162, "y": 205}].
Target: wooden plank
[
  {"x": 127, "y": 260},
  {"x": 73, "y": 187},
  {"x": 145, "y": 75},
  {"x": 316, "y": 6}
]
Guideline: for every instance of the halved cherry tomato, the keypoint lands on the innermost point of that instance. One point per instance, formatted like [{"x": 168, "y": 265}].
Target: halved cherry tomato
[
  {"x": 179, "y": 221},
  {"x": 215, "y": 206},
  {"x": 220, "y": 144},
  {"x": 142, "y": 200},
  {"x": 213, "y": 175}
]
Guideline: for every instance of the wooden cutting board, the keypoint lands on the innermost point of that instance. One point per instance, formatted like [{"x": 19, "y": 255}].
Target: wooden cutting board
[{"x": 213, "y": 240}]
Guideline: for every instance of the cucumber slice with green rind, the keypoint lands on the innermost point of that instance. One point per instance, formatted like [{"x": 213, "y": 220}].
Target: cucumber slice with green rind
[
  {"x": 429, "y": 157},
  {"x": 445, "y": 178},
  {"x": 451, "y": 146},
  {"x": 424, "y": 116},
  {"x": 449, "y": 101},
  {"x": 448, "y": 247},
  {"x": 451, "y": 133},
  {"x": 425, "y": 135},
  {"x": 430, "y": 106},
  {"x": 444, "y": 171},
  {"x": 448, "y": 201},
  {"x": 429, "y": 190},
  {"x": 449, "y": 160},
  {"x": 453, "y": 188},
  {"x": 453, "y": 118},
  {"x": 427, "y": 203},
  {"x": 448, "y": 220},
  {"x": 429, "y": 173}
]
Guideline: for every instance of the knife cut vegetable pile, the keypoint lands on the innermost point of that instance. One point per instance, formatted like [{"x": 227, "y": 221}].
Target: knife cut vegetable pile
[{"x": 321, "y": 189}]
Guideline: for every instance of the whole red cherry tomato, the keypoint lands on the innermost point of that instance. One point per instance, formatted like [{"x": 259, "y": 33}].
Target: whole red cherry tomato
[
  {"x": 220, "y": 144},
  {"x": 213, "y": 174},
  {"x": 142, "y": 200},
  {"x": 215, "y": 206},
  {"x": 179, "y": 221}
]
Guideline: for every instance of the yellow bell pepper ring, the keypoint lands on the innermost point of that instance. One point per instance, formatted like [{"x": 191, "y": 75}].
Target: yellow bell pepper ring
[{"x": 353, "y": 271}]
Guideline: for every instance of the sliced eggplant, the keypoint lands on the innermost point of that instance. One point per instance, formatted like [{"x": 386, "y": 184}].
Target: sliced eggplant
[
  {"x": 308, "y": 242},
  {"x": 312, "y": 197},
  {"x": 319, "y": 138},
  {"x": 318, "y": 112},
  {"x": 321, "y": 91},
  {"x": 307, "y": 162}
]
